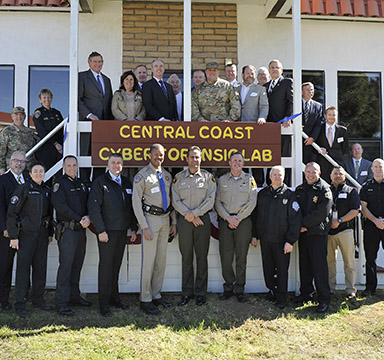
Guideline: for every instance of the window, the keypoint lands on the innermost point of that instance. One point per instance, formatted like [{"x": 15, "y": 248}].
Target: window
[
  {"x": 56, "y": 79},
  {"x": 359, "y": 104},
  {"x": 7, "y": 88},
  {"x": 316, "y": 78}
]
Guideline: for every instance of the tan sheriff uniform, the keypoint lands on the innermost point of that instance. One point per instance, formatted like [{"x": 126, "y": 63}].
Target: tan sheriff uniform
[
  {"x": 235, "y": 196},
  {"x": 194, "y": 193},
  {"x": 147, "y": 191}
]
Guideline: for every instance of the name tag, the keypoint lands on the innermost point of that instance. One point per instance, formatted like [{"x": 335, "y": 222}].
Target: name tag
[
  {"x": 129, "y": 191},
  {"x": 364, "y": 173},
  {"x": 342, "y": 196},
  {"x": 340, "y": 139},
  {"x": 253, "y": 94},
  {"x": 155, "y": 190}
]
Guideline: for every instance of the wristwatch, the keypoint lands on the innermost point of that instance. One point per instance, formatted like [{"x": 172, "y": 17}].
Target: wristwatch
[{"x": 339, "y": 220}]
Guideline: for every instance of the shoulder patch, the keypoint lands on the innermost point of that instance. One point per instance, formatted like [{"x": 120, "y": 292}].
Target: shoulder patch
[
  {"x": 56, "y": 187},
  {"x": 174, "y": 180},
  {"x": 253, "y": 183},
  {"x": 14, "y": 199},
  {"x": 37, "y": 114},
  {"x": 137, "y": 178},
  {"x": 213, "y": 179},
  {"x": 295, "y": 206}
]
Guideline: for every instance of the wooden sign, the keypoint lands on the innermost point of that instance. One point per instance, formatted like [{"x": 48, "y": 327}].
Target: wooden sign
[{"x": 259, "y": 144}]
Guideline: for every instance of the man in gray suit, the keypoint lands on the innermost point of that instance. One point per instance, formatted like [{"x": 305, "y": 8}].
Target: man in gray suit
[
  {"x": 253, "y": 97},
  {"x": 254, "y": 106},
  {"x": 358, "y": 167},
  {"x": 95, "y": 97}
]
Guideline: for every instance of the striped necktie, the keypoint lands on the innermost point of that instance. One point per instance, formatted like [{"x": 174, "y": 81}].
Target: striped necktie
[{"x": 19, "y": 180}]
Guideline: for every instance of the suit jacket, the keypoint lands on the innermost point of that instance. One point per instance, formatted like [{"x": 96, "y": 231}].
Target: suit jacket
[
  {"x": 91, "y": 99},
  {"x": 365, "y": 170},
  {"x": 339, "y": 146},
  {"x": 8, "y": 185},
  {"x": 280, "y": 99},
  {"x": 156, "y": 104},
  {"x": 255, "y": 104},
  {"x": 315, "y": 116}
]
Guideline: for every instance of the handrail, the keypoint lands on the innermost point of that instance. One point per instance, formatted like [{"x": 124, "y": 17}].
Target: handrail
[
  {"x": 333, "y": 162},
  {"x": 46, "y": 138}
]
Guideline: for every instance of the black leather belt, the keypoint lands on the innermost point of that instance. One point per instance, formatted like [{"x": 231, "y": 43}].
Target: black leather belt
[
  {"x": 73, "y": 225},
  {"x": 156, "y": 210}
]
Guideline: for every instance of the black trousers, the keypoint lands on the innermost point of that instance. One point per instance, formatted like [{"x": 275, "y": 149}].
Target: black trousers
[
  {"x": 7, "y": 255},
  {"x": 234, "y": 243},
  {"x": 372, "y": 238},
  {"x": 110, "y": 258},
  {"x": 33, "y": 248},
  {"x": 196, "y": 240},
  {"x": 313, "y": 266},
  {"x": 71, "y": 257},
  {"x": 275, "y": 262}
]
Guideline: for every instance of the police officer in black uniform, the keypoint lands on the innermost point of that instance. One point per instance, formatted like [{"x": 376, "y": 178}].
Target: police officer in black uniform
[
  {"x": 29, "y": 228},
  {"x": 276, "y": 222},
  {"x": 110, "y": 209},
  {"x": 69, "y": 197},
  {"x": 46, "y": 119},
  {"x": 372, "y": 205},
  {"x": 8, "y": 183},
  {"x": 315, "y": 199}
]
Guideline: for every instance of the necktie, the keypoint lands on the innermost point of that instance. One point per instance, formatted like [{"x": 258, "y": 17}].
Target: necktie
[
  {"x": 273, "y": 83},
  {"x": 19, "y": 180},
  {"x": 100, "y": 84},
  {"x": 357, "y": 168},
  {"x": 163, "y": 192},
  {"x": 306, "y": 112},
  {"x": 163, "y": 88},
  {"x": 118, "y": 180},
  {"x": 330, "y": 136}
]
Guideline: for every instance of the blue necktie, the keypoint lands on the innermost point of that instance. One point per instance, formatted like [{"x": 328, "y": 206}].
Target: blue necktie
[
  {"x": 100, "y": 84},
  {"x": 163, "y": 192},
  {"x": 163, "y": 88},
  {"x": 118, "y": 180}
]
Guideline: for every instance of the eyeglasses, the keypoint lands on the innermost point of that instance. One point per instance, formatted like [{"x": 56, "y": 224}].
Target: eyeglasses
[{"x": 19, "y": 161}]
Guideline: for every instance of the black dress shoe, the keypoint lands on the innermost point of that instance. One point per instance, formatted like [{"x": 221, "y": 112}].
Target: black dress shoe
[
  {"x": 118, "y": 304},
  {"x": 65, "y": 311},
  {"x": 105, "y": 311},
  {"x": 22, "y": 313},
  {"x": 149, "y": 308},
  {"x": 270, "y": 296},
  {"x": 6, "y": 307},
  {"x": 44, "y": 307},
  {"x": 367, "y": 292},
  {"x": 322, "y": 308},
  {"x": 162, "y": 302},
  {"x": 226, "y": 295},
  {"x": 241, "y": 298},
  {"x": 302, "y": 299},
  {"x": 200, "y": 300},
  {"x": 281, "y": 305},
  {"x": 185, "y": 300},
  {"x": 80, "y": 302}
]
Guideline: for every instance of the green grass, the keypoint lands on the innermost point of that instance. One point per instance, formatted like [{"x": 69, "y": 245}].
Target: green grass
[{"x": 217, "y": 330}]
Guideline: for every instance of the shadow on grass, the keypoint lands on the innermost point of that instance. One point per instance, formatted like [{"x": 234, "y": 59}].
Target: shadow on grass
[{"x": 214, "y": 315}]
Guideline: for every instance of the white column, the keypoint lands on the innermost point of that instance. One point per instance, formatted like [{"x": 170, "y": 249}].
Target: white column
[
  {"x": 70, "y": 146},
  {"x": 187, "y": 59}
]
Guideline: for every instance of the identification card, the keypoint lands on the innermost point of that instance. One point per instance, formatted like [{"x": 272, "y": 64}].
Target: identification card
[
  {"x": 364, "y": 173},
  {"x": 129, "y": 191},
  {"x": 342, "y": 196},
  {"x": 253, "y": 94},
  {"x": 340, "y": 139}
]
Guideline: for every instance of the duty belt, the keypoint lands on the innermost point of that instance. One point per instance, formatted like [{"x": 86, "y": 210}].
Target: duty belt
[
  {"x": 73, "y": 225},
  {"x": 156, "y": 210}
]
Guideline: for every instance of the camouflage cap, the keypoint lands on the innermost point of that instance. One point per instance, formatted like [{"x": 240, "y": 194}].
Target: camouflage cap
[
  {"x": 212, "y": 64},
  {"x": 18, "y": 109}
]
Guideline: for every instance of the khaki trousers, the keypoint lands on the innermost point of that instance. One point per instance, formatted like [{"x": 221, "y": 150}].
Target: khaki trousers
[
  {"x": 153, "y": 258},
  {"x": 344, "y": 240}
]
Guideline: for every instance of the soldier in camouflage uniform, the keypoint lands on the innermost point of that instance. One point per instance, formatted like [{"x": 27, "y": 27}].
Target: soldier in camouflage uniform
[
  {"x": 15, "y": 137},
  {"x": 215, "y": 99}
]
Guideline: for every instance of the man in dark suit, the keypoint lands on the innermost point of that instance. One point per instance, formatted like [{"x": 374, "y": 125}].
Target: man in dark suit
[
  {"x": 333, "y": 140},
  {"x": 175, "y": 82},
  {"x": 141, "y": 73},
  {"x": 357, "y": 167},
  {"x": 280, "y": 98},
  {"x": 311, "y": 120},
  {"x": 8, "y": 183},
  {"x": 95, "y": 97},
  {"x": 158, "y": 97}
]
